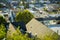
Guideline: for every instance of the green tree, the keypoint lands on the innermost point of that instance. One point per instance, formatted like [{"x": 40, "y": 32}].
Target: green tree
[
  {"x": 52, "y": 37},
  {"x": 24, "y": 16},
  {"x": 2, "y": 20},
  {"x": 2, "y": 31},
  {"x": 19, "y": 36}
]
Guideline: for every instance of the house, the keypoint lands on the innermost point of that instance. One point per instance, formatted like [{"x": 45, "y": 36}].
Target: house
[
  {"x": 38, "y": 29},
  {"x": 8, "y": 15},
  {"x": 30, "y": 1},
  {"x": 14, "y": 4},
  {"x": 4, "y": 14},
  {"x": 54, "y": 1},
  {"x": 52, "y": 7},
  {"x": 38, "y": 1},
  {"x": 55, "y": 28}
]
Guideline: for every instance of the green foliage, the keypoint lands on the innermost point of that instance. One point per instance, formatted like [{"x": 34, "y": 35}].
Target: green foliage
[
  {"x": 45, "y": 9},
  {"x": 26, "y": 5},
  {"x": 2, "y": 20},
  {"x": 52, "y": 37},
  {"x": 2, "y": 31},
  {"x": 19, "y": 36},
  {"x": 36, "y": 38},
  {"x": 57, "y": 2},
  {"x": 24, "y": 16}
]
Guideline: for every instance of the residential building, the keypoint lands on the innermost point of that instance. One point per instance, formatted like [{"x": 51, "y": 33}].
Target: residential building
[
  {"x": 52, "y": 23},
  {"x": 38, "y": 29}
]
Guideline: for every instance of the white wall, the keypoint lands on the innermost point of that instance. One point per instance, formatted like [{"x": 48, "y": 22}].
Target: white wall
[{"x": 55, "y": 29}]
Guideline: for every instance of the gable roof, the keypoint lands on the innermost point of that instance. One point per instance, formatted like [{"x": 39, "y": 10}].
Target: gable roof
[{"x": 37, "y": 28}]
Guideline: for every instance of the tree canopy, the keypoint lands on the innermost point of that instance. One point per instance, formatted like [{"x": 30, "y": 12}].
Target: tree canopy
[
  {"x": 1, "y": 5},
  {"x": 2, "y": 31},
  {"x": 55, "y": 36},
  {"x": 24, "y": 16},
  {"x": 2, "y": 20},
  {"x": 19, "y": 36}
]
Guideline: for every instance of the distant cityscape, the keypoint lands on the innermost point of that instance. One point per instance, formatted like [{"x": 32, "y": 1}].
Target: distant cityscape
[{"x": 29, "y": 19}]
